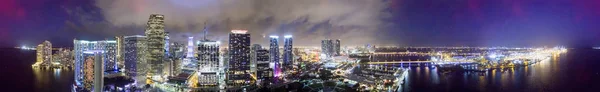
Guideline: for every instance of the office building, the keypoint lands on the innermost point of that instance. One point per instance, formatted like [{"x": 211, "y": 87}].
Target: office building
[
  {"x": 253, "y": 57},
  {"x": 135, "y": 57},
  {"x": 336, "y": 47},
  {"x": 326, "y": 49},
  {"x": 274, "y": 54},
  {"x": 288, "y": 56},
  {"x": 263, "y": 68},
  {"x": 238, "y": 73},
  {"x": 176, "y": 52},
  {"x": 155, "y": 41},
  {"x": 208, "y": 62}
]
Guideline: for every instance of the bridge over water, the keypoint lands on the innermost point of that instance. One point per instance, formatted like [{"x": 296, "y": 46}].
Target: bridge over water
[{"x": 419, "y": 63}]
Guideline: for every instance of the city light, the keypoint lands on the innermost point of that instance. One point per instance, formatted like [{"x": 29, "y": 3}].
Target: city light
[
  {"x": 203, "y": 65},
  {"x": 239, "y": 31}
]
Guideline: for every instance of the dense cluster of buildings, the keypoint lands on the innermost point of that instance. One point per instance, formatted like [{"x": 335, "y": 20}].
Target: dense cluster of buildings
[
  {"x": 150, "y": 59},
  {"x": 48, "y": 57}
]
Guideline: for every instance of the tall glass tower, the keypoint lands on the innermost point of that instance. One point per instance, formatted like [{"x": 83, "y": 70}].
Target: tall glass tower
[
  {"x": 239, "y": 62},
  {"x": 326, "y": 49},
  {"x": 155, "y": 37},
  {"x": 135, "y": 57},
  {"x": 274, "y": 55},
  {"x": 288, "y": 58}
]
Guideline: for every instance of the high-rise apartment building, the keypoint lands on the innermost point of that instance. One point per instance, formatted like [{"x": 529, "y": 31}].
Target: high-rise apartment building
[
  {"x": 288, "y": 56},
  {"x": 44, "y": 53},
  {"x": 155, "y": 41},
  {"x": 135, "y": 57},
  {"x": 86, "y": 53},
  {"x": 274, "y": 54},
  {"x": 238, "y": 73}
]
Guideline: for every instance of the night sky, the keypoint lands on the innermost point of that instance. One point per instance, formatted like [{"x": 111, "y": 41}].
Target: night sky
[{"x": 357, "y": 22}]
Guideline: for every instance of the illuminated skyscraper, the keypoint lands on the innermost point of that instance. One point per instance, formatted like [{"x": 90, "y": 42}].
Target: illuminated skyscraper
[
  {"x": 336, "y": 47},
  {"x": 274, "y": 54},
  {"x": 111, "y": 54},
  {"x": 261, "y": 58},
  {"x": 84, "y": 57},
  {"x": 167, "y": 45},
  {"x": 93, "y": 71},
  {"x": 155, "y": 37},
  {"x": 39, "y": 54},
  {"x": 326, "y": 49},
  {"x": 288, "y": 57},
  {"x": 44, "y": 53},
  {"x": 98, "y": 69},
  {"x": 239, "y": 62},
  {"x": 189, "y": 55},
  {"x": 135, "y": 57},
  {"x": 120, "y": 51},
  {"x": 208, "y": 62},
  {"x": 177, "y": 51},
  {"x": 253, "y": 57},
  {"x": 190, "y": 48}
]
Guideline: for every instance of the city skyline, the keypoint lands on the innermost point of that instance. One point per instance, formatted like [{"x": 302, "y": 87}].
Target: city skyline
[
  {"x": 406, "y": 22},
  {"x": 299, "y": 45}
]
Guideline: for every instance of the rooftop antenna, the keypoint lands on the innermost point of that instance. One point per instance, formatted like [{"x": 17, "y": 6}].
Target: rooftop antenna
[{"x": 205, "y": 30}]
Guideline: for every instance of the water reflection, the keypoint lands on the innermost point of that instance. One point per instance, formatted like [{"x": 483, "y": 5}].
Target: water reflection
[
  {"x": 523, "y": 78},
  {"x": 56, "y": 73},
  {"x": 48, "y": 79}
]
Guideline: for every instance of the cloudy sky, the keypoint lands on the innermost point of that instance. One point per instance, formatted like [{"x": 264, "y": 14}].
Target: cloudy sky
[{"x": 355, "y": 22}]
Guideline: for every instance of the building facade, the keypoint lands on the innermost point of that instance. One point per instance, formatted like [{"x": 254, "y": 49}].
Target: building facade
[
  {"x": 208, "y": 62},
  {"x": 288, "y": 56},
  {"x": 135, "y": 57},
  {"x": 120, "y": 51},
  {"x": 85, "y": 52},
  {"x": 336, "y": 47},
  {"x": 263, "y": 68},
  {"x": 238, "y": 73},
  {"x": 326, "y": 49},
  {"x": 155, "y": 41},
  {"x": 176, "y": 55},
  {"x": 274, "y": 54},
  {"x": 44, "y": 53}
]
